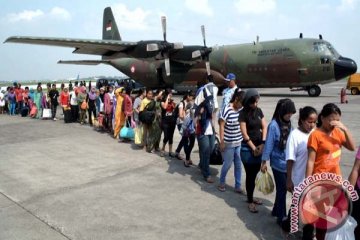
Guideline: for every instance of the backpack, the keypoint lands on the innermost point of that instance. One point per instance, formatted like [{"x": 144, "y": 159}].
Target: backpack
[
  {"x": 208, "y": 103},
  {"x": 147, "y": 116},
  {"x": 176, "y": 110}
]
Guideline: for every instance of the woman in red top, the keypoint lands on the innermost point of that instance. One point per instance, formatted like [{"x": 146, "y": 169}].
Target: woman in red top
[{"x": 64, "y": 98}]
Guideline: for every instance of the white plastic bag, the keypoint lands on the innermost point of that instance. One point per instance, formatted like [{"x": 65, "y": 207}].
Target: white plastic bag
[
  {"x": 264, "y": 182},
  {"x": 46, "y": 113},
  {"x": 345, "y": 232}
]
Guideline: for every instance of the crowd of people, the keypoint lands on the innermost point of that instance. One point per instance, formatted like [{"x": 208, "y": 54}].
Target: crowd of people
[{"x": 245, "y": 138}]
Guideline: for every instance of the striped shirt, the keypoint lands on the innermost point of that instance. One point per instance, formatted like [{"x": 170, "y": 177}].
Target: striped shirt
[{"x": 232, "y": 132}]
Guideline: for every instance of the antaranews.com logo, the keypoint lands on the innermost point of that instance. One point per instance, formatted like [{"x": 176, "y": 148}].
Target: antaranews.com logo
[{"x": 323, "y": 200}]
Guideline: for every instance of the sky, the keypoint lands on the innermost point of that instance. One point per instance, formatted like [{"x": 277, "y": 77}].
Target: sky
[{"x": 226, "y": 22}]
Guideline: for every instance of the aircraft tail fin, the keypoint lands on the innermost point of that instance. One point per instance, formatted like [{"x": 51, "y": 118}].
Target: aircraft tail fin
[{"x": 110, "y": 30}]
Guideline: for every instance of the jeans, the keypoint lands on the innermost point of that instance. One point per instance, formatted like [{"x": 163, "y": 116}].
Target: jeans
[
  {"x": 206, "y": 145},
  {"x": 279, "y": 209},
  {"x": 230, "y": 155},
  {"x": 12, "y": 108}
]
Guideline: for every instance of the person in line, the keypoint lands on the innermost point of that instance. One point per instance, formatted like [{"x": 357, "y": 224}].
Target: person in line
[
  {"x": 82, "y": 95},
  {"x": 324, "y": 152},
  {"x": 274, "y": 150},
  {"x": 39, "y": 100},
  {"x": 354, "y": 179},
  {"x": 74, "y": 106},
  {"x": 253, "y": 129},
  {"x": 136, "y": 110},
  {"x": 53, "y": 95},
  {"x": 108, "y": 108},
  {"x": 12, "y": 101},
  {"x": 296, "y": 153},
  {"x": 154, "y": 130},
  {"x": 168, "y": 122},
  {"x": 206, "y": 106},
  {"x": 188, "y": 133},
  {"x": 187, "y": 98},
  {"x": 19, "y": 97},
  {"x": 2, "y": 101},
  {"x": 100, "y": 95},
  {"x": 144, "y": 103},
  {"x": 119, "y": 116},
  {"x": 228, "y": 92},
  {"x": 230, "y": 140},
  {"x": 91, "y": 99}
]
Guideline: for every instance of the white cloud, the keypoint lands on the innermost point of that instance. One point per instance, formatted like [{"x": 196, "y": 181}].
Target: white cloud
[
  {"x": 200, "y": 6},
  {"x": 127, "y": 19},
  {"x": 26, "y": 15},
  {"x": 347, "y": 5},
  {"x": 255, "y": 6},
  {"x": 60, "y": 13}
]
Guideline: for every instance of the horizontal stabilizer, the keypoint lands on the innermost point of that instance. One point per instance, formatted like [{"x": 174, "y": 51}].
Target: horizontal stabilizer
[{"x": 84, "y": 62}]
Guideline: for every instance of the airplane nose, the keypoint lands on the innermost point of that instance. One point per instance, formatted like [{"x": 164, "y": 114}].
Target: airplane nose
[{"x": 344, "y": 67}]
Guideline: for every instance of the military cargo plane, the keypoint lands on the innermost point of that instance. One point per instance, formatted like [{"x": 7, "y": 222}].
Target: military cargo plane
[{"x": 298, "y": 64}]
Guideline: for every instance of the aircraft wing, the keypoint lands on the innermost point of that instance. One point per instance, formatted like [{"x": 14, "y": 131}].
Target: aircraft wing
[
  {"x": 83, "y": 46},
  {"x": 84, "y": 62}
]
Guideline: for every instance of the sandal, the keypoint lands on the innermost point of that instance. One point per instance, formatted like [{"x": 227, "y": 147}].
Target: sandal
[
  {"x": 186, "y": 164},
  {"x": 177, "y": 155},
  {"x": 171, "y": 154},
  {"x": 252, "y": 208},
  {"x": 221, "y": 188},
  {"x": 257, "y": 202},
  {"x": 162, "y": 153},
  {"x": 190, "y": 162}
]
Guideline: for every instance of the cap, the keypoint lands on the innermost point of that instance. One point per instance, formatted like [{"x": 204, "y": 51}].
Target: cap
[{"x": 230, "y": 77}]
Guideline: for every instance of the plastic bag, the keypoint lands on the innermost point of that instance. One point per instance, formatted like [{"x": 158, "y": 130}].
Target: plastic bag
[
  {"x": 345, "y": 232},
  {"x": 138, "y": 135},
  {"x": 264, "y": 182}
]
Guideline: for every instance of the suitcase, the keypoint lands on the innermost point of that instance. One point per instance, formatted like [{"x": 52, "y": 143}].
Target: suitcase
[
  {"x": 67, "y": 116},
  {"x": 24, "y": 111}
]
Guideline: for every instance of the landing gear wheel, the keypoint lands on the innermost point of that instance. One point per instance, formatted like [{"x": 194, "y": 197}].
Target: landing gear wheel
[
  {"x": 354, "y": 91},
  {"x": 314, "y": 91}
]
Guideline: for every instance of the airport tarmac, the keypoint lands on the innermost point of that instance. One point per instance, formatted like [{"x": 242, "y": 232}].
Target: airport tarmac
[{"x": 66, "y": 181}]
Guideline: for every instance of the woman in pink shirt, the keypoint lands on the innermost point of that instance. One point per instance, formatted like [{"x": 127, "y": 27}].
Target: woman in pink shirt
[{"x": 354, "y": 179}]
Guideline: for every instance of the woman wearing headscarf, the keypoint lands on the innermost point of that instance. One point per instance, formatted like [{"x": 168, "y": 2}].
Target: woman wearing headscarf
[
  {"x": 90, "y": 99},
  {"x": 119, "y": 116},
  {"x": 82, "y": 103},
  {"x": 277, "y": 135},
  {"x": 38, "y": 97},
  {"x": 108, "y": 108},
  {"x": 253, "y": 129}
]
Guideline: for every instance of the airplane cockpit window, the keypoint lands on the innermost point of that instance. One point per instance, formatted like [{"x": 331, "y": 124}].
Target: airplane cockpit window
[{"x": 325, "y": 49}]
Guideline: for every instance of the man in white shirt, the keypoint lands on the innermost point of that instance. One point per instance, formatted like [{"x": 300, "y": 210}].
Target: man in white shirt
[{"x": 205, "y": 123}]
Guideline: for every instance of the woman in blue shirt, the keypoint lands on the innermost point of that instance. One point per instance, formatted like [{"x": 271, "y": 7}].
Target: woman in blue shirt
[{"x": 274, "y": 150}]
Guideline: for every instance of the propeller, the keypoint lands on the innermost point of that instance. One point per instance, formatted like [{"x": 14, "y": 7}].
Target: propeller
[
  {"x": 164, "y": 47},
  {"x": 204, "y": 52}
]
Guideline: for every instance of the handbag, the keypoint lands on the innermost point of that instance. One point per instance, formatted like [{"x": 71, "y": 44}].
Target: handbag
[
  {"x": 84, "y": 105},
  {"x": 33, "y": 111},
  {"x": 46, "y": 113},
  {"x": 127, "y": 132},
  {"x": 216, "y": 157}
]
